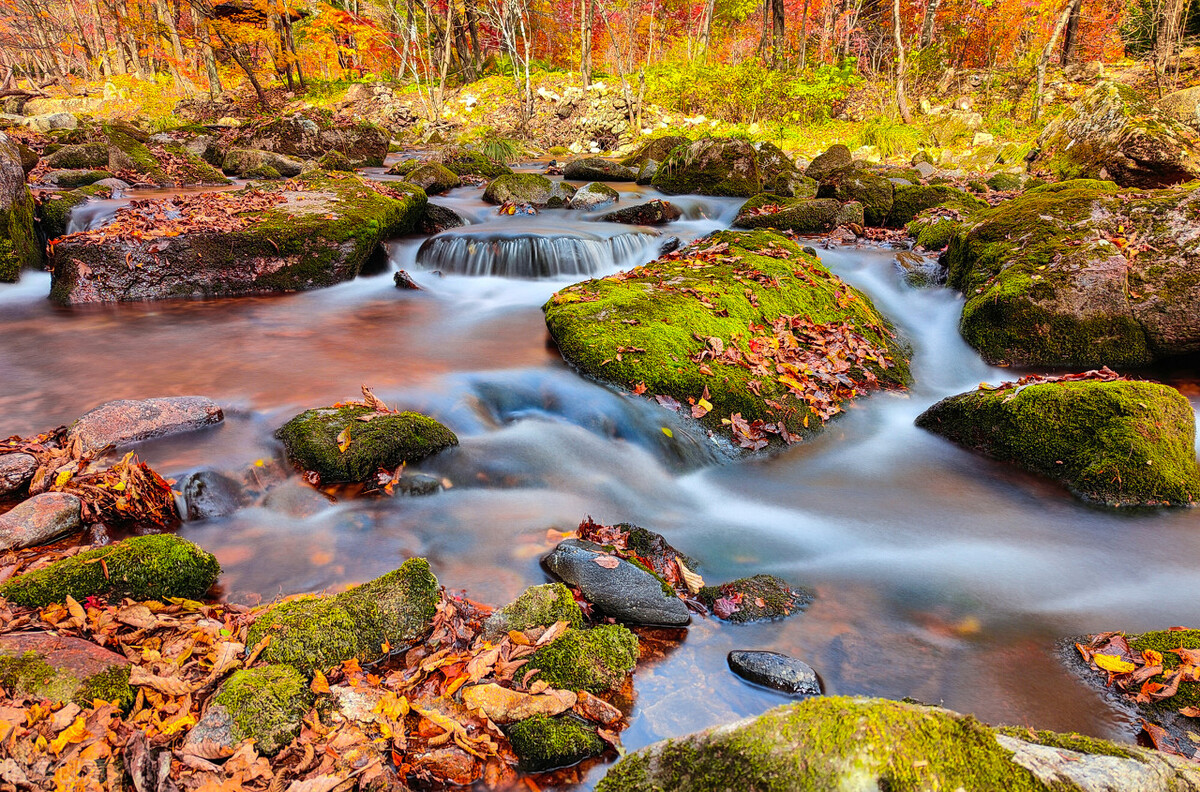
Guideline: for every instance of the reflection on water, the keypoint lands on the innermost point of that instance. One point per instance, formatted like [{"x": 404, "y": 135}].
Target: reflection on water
[{"x": 940, "y": 575}]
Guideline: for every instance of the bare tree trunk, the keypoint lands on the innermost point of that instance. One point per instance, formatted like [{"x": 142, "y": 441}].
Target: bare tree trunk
[
  {"x": 1045, "y": 59},
  {"x": 1070, "y": 46},
  {"x": 706, "y": 29},
  {"x": 778, "y": 42},
  {"x": 931, "y": 8},
  {"x": 804, "y": 36},
  {"x": 587, "y": 18},
  {"x": 1167, "y": 37},
  {"x": 898, "y": 31}
]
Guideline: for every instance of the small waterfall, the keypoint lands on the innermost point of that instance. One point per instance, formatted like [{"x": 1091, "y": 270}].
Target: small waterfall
[
  {"x": 93, "y": 214},
  {"x": 531, "y": 255}
]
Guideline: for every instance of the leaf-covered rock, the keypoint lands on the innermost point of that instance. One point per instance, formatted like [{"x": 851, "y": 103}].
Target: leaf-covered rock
[{"x": 806, "y": 216}]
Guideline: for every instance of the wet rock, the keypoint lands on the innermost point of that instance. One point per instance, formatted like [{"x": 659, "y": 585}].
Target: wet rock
[
  {"x": 39, "y": 520},
  {"x": 418, "y": 485},
  {"x": 711, "y": 166},
  {"x": 364, "y": 144},
  {"x": 436, "y": 219},
  {"x": 1115, "y": 443},
  {"x": 780, "y": 174},
  {"x": 594, "y": 195},
  {"x": 54, "y": 209},
  {"x": 316, "y": 237},
  {"x": 655, "y": 212},
  {"x": 453, "y": 765},
  {"x": 646, "y": 172},
  {"x": 920, "y": 271},
  {"x": 802, "y": 215},
  {"x": 538, "y": 606},
  {"x": 433, "y": 178},
  {"x": 503, "y": 705},
  {"x": 870, "y": 189},
  {"x": 625, "y": 592},
  {"x": 598, "y": 660},
  {"x": 265, "y": 704},
  {"x": 752, "y": 599},
  {"x": 466, "y": 162},
  {"x": 382, "y": 441},
  {"x": 669, "y": 245},
  {"x": 853, "y": 743},
  {"x": 120, "y": 423},
  {"x": 542, "y": 743},
  {"x": 142, "y": 568},
  {"x": 404, "y": 167},
  {"x": 69, "y": 179},
  {"x": 530, "y": 188},
  {"x": 58, "y": 668},
  {"x": 19, "y": 244},
  {"x": 834, "y": 159},
  {"x": 256, "y": 164},
  {"x": 405, "y": 281},
  {"x": 395, "y": 610},
  {"x": 15, "y": 472},
  {"x": 208, "y": 495},
  {"x": 1112, "y": 132},
  {"x": 776, "y": 671},
  {"x": 597, "y": 169}
]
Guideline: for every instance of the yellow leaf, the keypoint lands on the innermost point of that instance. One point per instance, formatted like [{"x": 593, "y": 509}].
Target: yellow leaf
[
  {"x": 319, "y": 684},
  {"x": 705, "y": 404},
  {"x": 76, "y": 610},
  {"x": 76, "y": 732},
  {"x": 259, "y": 463},
  {"x": 1113, "y": 664},
  {"x": 1152, "y": 657},
  {"x": 343, "y": 439},
  {"x": 62, "y": 478},
  {"x": 667, "y": 432},
  {"x": 178, "y": 724}
]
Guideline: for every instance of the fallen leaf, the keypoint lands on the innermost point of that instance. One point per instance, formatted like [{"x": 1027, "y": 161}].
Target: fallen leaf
[{"x": 607, "y": 561}]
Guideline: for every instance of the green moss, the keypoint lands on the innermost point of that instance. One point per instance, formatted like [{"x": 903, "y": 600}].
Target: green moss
[
  {"x": 656, "y": 149},
  {"x": 832, "y": 743},
  {"x": 873, "y": 191},
  {"x": 543, "y": 743},
  {"x": 71, "y": 179},
  {"x": 466, "y": 162},
  {"x": 317, "y": 633},
  {"x": 266, "y": 705},
  {"x": 778, "y": 598},
  {"x": 19, "y": 245},
  {"x": 30, "y": 675},
  {"x": 190, "y": 169},
  {"x": 55, "y": 210},
  {"x": 134, "y": 154},
  {"x": 592, "y": 322},
  {"x": 801, "y": 215},
  {"x": 596, "y": 660},
  {"x": 157, "y": 566},
  {"x": 711, "y": 166},
  {"x": 908, "y": 201},
  {"x": 1163, "y": 642},
  {"x": 540, "y": 606},
  {"x": 526, "y": 188},
  {"x": 81, "y": 156},
  {"x": 932, "y": 232},
  {"x": 1080, "y": 743},
  {"x": 1116, "y": 443},
  {"x": 311, "y": 440},
  {"x": 335, "y": 161},
  {"x": 261, "y": 172},
  {"x": 1004, "y": 182}
]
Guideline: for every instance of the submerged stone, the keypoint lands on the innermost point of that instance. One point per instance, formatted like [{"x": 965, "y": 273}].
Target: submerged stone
[
  {"x": 776, "y": 671},
  {"x": 542, "y": 743},
  {"x": 208, "y": 494},
  {"x": 617, "y": 588},
  {"x": 157, "y": 566},
  {"x": 39, "y": 520},
  {"x": 1116, "y": 443},
  {"x": 385, "y": 440}
]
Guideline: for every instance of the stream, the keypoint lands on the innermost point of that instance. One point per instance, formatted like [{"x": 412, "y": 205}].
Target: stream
[{"x": 938, "y": 574}]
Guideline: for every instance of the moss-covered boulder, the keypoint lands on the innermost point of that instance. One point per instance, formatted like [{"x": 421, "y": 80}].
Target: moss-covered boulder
[
  {"x": 757, "y": 598},
  {"x": 252, "y": 164},
  {"x": 1113, "y": 132},
  {"x": 80, "y": 156},
  {"x": 594, "y": 195},
  {"x": 151, "y": 567},
  {"x": 801, "y": 215},
  {"x": 313, "y": 232},
  {"x": 710, "y": 166},
  {"x": 19, "y": 246},
  {"x": 680, "y": 327},
  {"x": 434, "y": 178},
  {"x": 530, "y": 188},
  {"x": 468, "y": 162},
  {"x": 653, "y": 212},
  {"x": 54, "y": 208},
  {"x": 1118, "y": 443},
  {"x": 542, "y": 743},
  {"x": 1004, "y": 182},
  {"x": 866, "y": 187},
  {"x": 1182, "y": 105},
  {"x": 1073, "y": 274},
  {"x": 538, "y": 606},
  {"x": 780, "y": 174},
  {"x": 58, "y": 668},
  {"x": 335, "y": 160},
  {"x": 656, "y": 149},
  {"x": 314, "y": 440},
  {"x": 832, "y": 160},
  {"x": 852, "y": 743},
  {"x": 597, "y": 660},
  {"x": 933, "y": 231},
  {"x": 266, "y": 704},
  {"x": 908, "y": 201},
  {"x": 312, "y": 136},
  {"x": 597, "y": 169},
  {"x": 70, "y": 179},
  {"x": 368, "y": 622}
]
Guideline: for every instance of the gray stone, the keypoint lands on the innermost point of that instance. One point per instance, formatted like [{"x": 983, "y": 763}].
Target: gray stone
[
  {"x": 776, "y": 671},
  {"x": 594, "y": 195},
  {"x": 15, "y": 471},
  {"x": 51, "y": 121},
  {"x": 244, "y": 163},
  {"x": 39, "y": 520},
  {"x": 119, "y": 423},
  {"x": 626, "y": 592},
  {"x": 597, "y": 169},
  {"x": 208, "y": 494},
  {"x": 656, "y": 212}
]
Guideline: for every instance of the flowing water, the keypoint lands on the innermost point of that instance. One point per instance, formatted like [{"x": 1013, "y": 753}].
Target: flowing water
[{"x": 939, "y": 575}]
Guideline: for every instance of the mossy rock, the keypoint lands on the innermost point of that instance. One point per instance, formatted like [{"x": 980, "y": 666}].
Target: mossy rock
[
  {"x": 1113, "y": 132},
  {"x": 832, "y": 160},
  {"x": 806, "y": 216},
  {"x": 710, "y": 166},
  {"x": 593, "y": 321},
  {"x": 405, "y": 167},
  {"x": 153, "y": 567},
  {"x": 597, "y": 169},
  {"x": 433, "y": 178},
  {"x": 1047, "y": 284},
  {"x": 933, "y": 232},
  {"x": 909, "y": 201},
  {"x": 542, "y": 743},
  {"x": 335, "y": 160},
  {"x": 594, "y": 195},
  {"x": 70, "y": 179},
  {"x": 868, "y": 188},
  {"x": 780, "y": 174},
  {"x": 19, "y": 244},
  {"x": 261, "y": 173},
  {"x": 44, "y": 666},
  {"x": 315, "y": 238},
  {"x": 1115, "y": 443},
  {"x": 266, "y": 704},
  {"x": 847, "y": 743},
  {"x": 656, "y": 149},
  {"x": 127, "y": 151},
  {"x": 538, "y": 606},
  {"x": 757, "y": 598},
  {"x": 54, "y": 209},
  {"x": 530, "y": 188},
  {"x": 1004, "y": 182},
  {"x": 466, "y": 162},
  {"x": 29, "y": 158},
  {"x": 386, "y": 441},
  {"x": 81, "y": 156},
  {"x": 596, "y": 660},
  {"x": 316, "y": 633}
]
